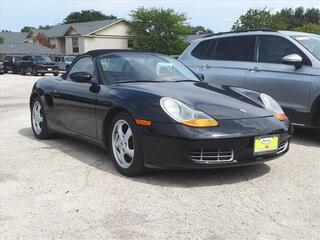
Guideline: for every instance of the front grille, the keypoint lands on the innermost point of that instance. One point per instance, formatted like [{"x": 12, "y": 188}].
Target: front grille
[
  {"x": 212, "y": 156},
  {"x": 282, "y": 147}
]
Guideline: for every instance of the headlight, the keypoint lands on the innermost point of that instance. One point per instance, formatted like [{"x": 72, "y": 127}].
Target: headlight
[
  {"x": 272, "y": 105},
  {"x": 186, "y": 115}
]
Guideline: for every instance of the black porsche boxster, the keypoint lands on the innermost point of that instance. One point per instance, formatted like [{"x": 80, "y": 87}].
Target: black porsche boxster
[{"x": 150, "y": 111}]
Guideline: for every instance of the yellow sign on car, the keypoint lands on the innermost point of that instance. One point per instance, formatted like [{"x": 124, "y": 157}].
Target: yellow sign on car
[{"x": 266, "y": 144}]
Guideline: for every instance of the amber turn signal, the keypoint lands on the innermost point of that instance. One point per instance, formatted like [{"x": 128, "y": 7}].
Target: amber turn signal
[
  {"x": 201, "y": 123},
  {"x": 143, "y": 122},
  {"x": 280, "y": 117}
]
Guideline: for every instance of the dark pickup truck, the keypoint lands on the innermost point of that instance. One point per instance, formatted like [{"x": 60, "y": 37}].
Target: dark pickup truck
[
  {"x": 12, "y": 63},
  {"x": 38, "y": 64}
]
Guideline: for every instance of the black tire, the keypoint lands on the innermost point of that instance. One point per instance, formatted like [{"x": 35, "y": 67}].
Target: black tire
[
  {"x": 137, "y": 164},
  {"x": 23, "y": 72},
  {"x": 55, "y": 74},
  {"x": 5, "y": 71},
  {"x": 42, "y": 74},
  {"x": 35, "y": 72},
  {"x": 44, "y": 133},
  {"x": 318, "y": 124}
]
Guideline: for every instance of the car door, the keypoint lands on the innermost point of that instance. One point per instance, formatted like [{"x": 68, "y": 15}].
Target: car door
[
  {"x": 227, "y": 59},
  {"x": 75, "y": 102},
  {"x": 289, "y": 85}
]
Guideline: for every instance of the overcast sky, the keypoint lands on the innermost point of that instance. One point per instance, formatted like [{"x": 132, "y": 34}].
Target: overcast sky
[{"x": 218, "y": 15}]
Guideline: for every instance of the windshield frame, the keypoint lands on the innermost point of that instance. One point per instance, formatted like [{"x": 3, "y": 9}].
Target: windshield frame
[
  {"x": 106, "y": 81},
  {"x": 304, "y": 47}
]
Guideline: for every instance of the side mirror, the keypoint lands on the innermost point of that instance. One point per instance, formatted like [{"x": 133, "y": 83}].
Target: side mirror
[
  {"x": 200, "y": 76},
  {"x": 293, "y": 59},
  {"x": 80, "y": 77}
]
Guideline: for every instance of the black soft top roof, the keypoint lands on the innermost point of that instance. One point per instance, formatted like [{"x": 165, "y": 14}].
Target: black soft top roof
[{"x": 95, "y": 53}]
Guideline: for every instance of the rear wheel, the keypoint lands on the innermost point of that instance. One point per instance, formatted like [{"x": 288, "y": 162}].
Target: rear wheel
[
  {"x": 38, "y": 120},
  {"x": 126, "y": 146},
  {"x": 23, "y": 71},
  {"x": 55, "y": 74},
  {"x": 34, "y": 71}
]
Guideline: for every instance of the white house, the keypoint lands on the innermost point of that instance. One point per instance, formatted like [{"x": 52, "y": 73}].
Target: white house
[{"x": 77, "y": 38}]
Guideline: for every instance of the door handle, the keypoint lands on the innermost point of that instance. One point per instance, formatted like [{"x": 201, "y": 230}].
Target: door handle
[
  {"x": 56, "y": 93},
  {"x": 253, "y": 70},
  {"x": 205, "y": 66}
]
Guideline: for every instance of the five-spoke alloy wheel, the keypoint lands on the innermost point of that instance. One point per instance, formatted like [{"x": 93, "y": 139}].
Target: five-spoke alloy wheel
[
  {"x": 38, "y": 120},
  {"x": 125, "y": 145}
]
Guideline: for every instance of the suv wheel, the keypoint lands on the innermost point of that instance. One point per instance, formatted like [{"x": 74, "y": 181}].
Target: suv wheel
[
  {"x": 34, "y": 72},
  {"x": 23, "y": 71},
  {"x": 125, "y": 145}
]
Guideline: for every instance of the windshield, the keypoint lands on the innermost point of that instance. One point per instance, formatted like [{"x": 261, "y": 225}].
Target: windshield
[
  {"x": 68, "y": 59},
  {"x": 123, "y": 67},
  {"x": 310, "y": 42},
  {"x": 41, "y": 59}
]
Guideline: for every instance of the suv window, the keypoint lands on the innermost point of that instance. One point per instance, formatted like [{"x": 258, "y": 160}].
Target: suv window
[
  {"x": 201, "y": 50},
  {"x": 271, "y": 49},
  {"x": 239, "y": 48},
  {"x": 84, "y": 64}
]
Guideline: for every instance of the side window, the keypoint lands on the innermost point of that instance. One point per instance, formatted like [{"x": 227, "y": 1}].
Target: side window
[
  {"x": 271, "y": 49},
  {"x": 235, "y": 49},
  {"x": 201, "y": 50},
  {"x": 83, "y": 65}
]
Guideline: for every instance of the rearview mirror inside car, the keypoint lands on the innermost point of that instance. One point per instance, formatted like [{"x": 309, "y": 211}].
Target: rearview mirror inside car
[
  {"x": 80, "y": 77},
  {"x": 293, "y": 59}
]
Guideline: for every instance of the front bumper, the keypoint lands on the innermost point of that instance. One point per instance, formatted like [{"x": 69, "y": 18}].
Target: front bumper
[
  {"x": 171, "y": 146},
  {"x": 47, "y": 70}
]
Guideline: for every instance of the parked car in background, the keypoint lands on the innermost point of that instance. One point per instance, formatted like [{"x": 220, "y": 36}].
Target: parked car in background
[
  {"x": 12, "y": 63},
  {"x": 64, "y": 62},
  {"x": 38, "y": 64},
  {"x": 283, "y": 64},
  {"x": 1, "y": 68}
]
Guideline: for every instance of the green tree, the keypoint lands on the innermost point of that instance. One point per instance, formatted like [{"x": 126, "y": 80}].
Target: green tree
[
  {"x": 159, "y": 30},
  {"x": 285, "y": 19},
  {"x": 201, "y": 30},
  {"x": 26, "y": 29},
  {"x": 1, "y": 40},
  {"x": 45, "y": 26},
  {"x": 87, "y": 16},
  {"x": 253, "y": 19},
  {"x": 309, "y": 27}
]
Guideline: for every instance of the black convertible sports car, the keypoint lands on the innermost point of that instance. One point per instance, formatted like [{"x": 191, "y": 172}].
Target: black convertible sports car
[{"x": 151, "y": 111}]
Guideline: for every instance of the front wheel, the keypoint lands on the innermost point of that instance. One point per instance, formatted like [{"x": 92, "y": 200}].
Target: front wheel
[
  {"x": 23, "y": 71},
  {"x": 38, "y": 120},
  {"x": 125, "y": 145}
]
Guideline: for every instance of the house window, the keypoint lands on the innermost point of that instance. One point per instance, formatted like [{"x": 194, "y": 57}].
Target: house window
[
  {"x": 130, "y": 43},
  {"x": 75, "y": 45}
]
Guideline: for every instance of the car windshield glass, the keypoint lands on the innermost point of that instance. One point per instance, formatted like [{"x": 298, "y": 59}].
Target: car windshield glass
[
  {"x": 68, "y": 59},
  {"x": 17, "y": 58},
  {"x": 122, "y": 67},
  {"x": 41, "y": 59},
  {"x": 310, "y": 42}
]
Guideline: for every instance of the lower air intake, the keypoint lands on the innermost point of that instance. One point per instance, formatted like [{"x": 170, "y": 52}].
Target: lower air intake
[{"x": 212, "y": 156}]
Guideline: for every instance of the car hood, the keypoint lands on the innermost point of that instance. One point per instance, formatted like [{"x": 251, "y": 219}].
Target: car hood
[{"x": 220, "y": 102}]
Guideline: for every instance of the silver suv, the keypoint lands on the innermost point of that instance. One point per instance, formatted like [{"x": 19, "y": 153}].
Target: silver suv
[{"x": 283, "y": 64}]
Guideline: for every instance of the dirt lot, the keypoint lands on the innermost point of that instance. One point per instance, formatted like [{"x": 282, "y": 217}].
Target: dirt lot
[{"x": 67, "y": 189}]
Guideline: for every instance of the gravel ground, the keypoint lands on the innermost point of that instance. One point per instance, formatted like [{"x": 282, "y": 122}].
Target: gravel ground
[{"x": 67, "y": 189}]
